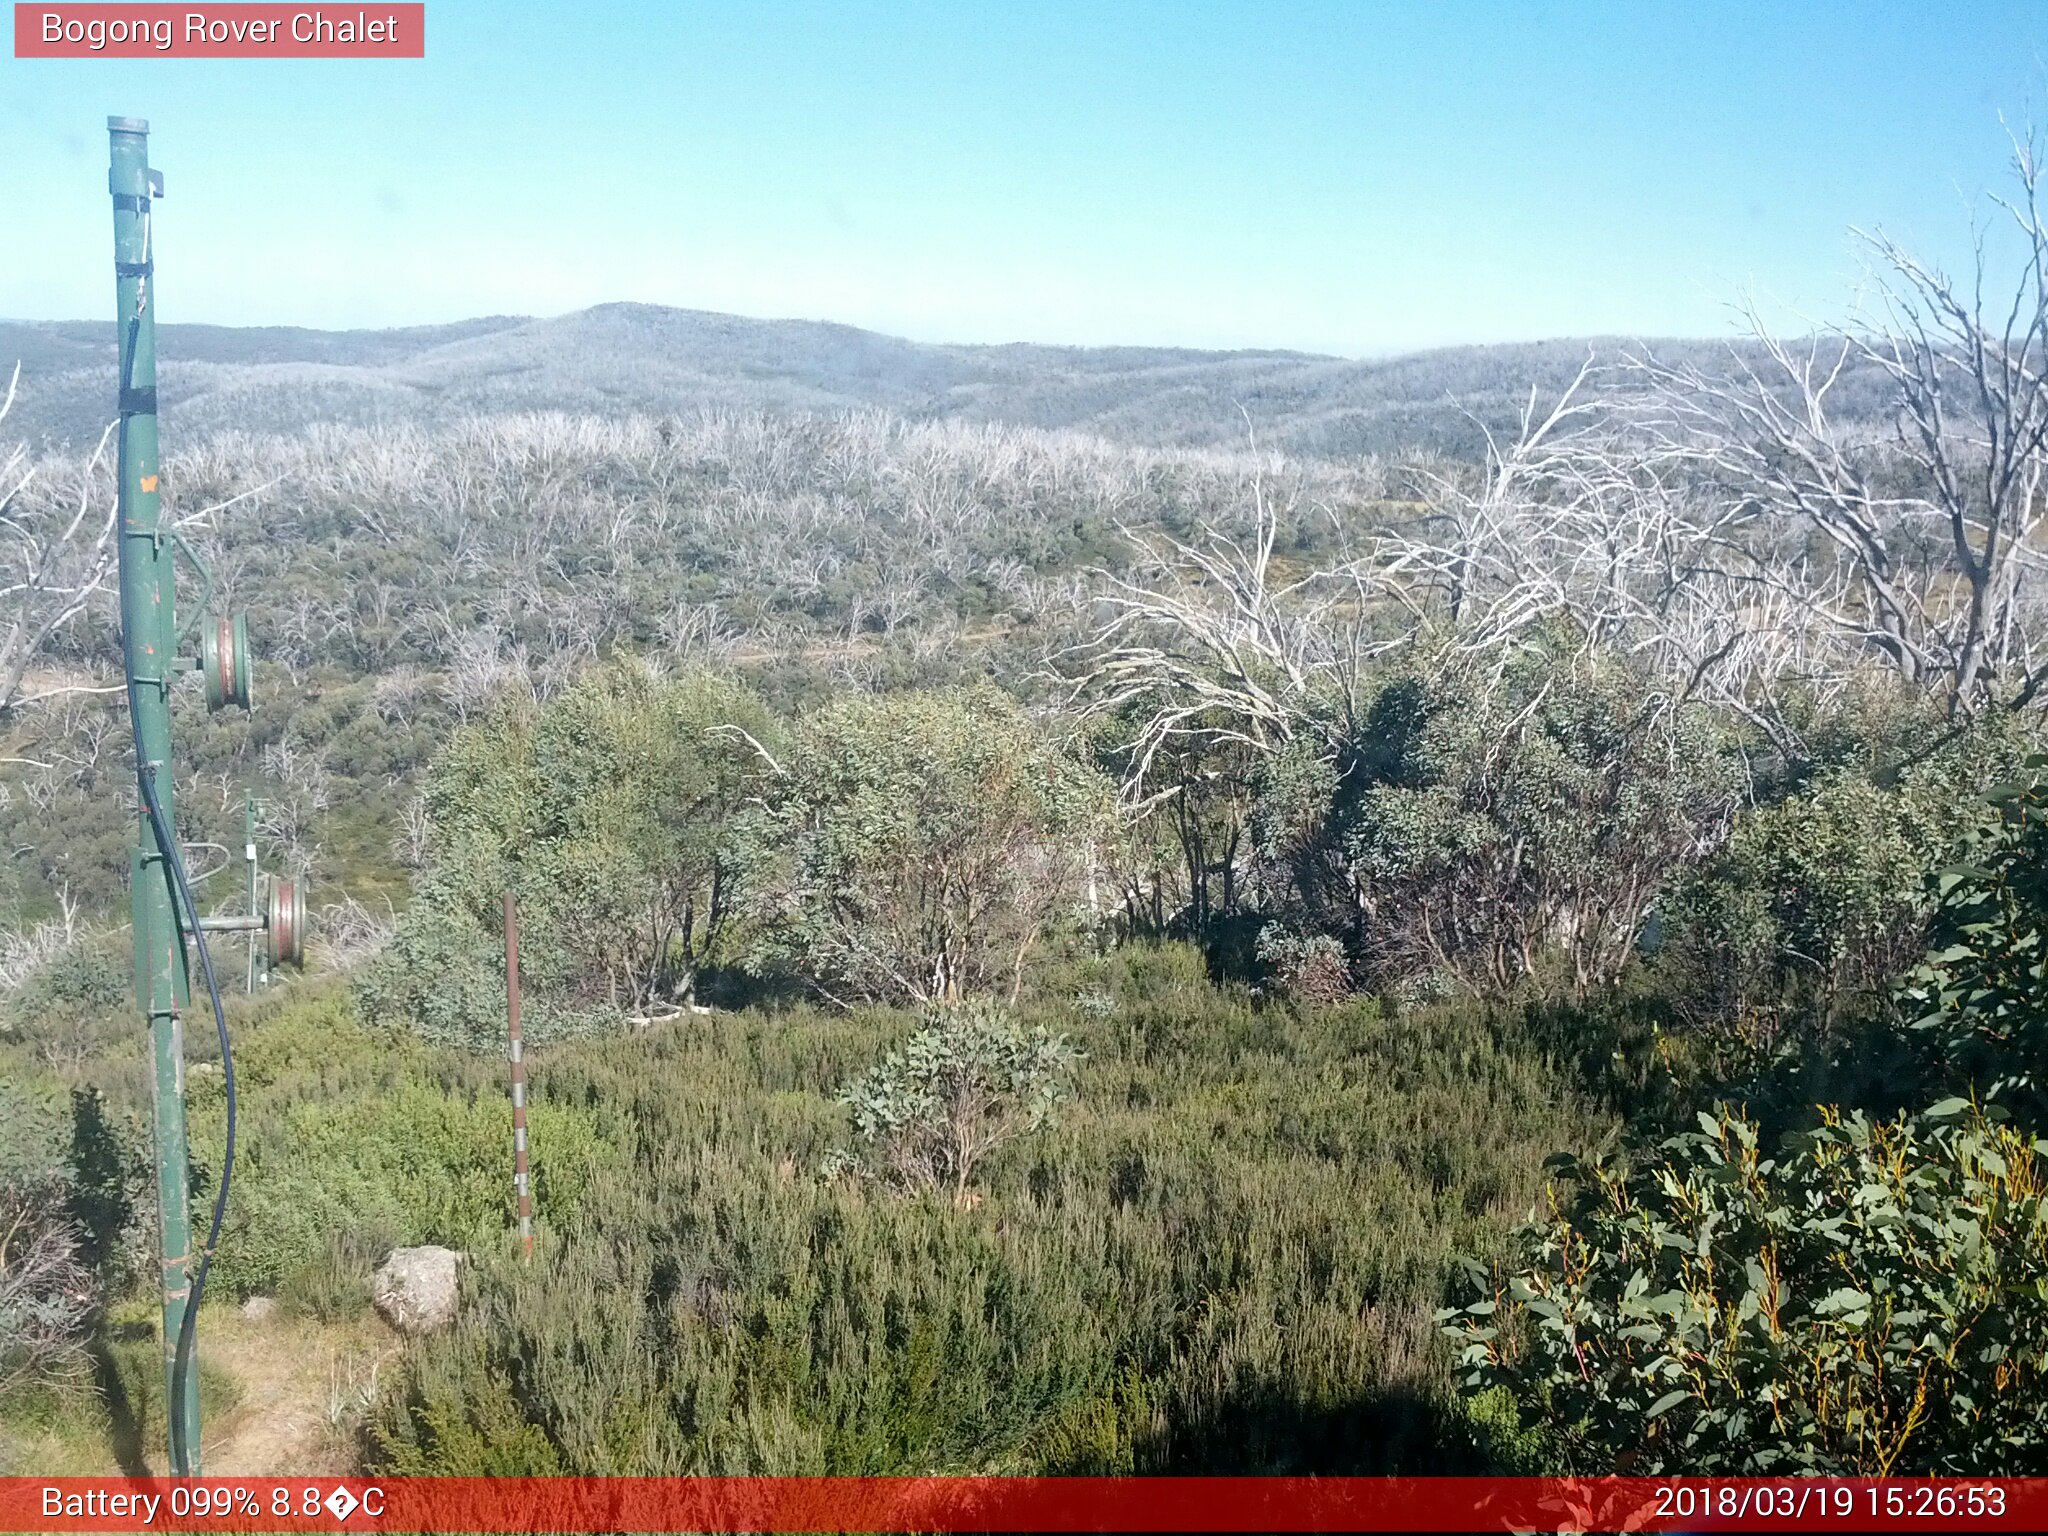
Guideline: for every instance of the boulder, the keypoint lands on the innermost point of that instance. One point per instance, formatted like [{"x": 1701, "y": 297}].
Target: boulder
[{"x": 414, "y": 1290}]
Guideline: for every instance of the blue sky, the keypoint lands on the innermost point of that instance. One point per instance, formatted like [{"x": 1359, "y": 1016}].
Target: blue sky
[{"x": 1347, "y": 177}]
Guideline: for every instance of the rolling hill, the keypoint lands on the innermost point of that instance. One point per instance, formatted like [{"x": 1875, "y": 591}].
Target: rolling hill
[{"x": 632, "y": 358}]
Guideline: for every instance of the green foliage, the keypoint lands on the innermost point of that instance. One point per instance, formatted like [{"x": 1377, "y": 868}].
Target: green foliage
[
  {"x": 1873, "y": 1297},
  {"x": 46, "y": 1291},
  {"x": 1814, "y": 902},
  {"x": 65, "y": 988},
  {"x": 422, "y": 1165},
  {"x": 351, "y": 1144},
  {"x": 70, "y": 1180},
  {"x": 1871, "y": 1300},
  {"x": 1151, "y": 998},
  {"x": 334, "y": 1284},
  {"x": 608, "y": 812},
  {"x": 33, "y": 1134},
  {"x": 920, "y": 846},
  {"x": 1981, "y": 1000},
  {"x": 1506, "y": 1442},
  {"x": 1309, "y": 967},
  {"x": 970, "y": 1079},
  {"x": 1224, "y": 1260},
  {"x": 1474, "y": 828},
  {"x": 81, "y": 979},
  {"x": 1821, "y": 898},
  {"x": 441, "y": 976},
  {"x": 109, "y": 1178}
]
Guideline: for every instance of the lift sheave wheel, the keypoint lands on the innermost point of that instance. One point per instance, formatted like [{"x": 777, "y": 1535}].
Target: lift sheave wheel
[
  {"x": 224, "y": 658},
  {"x": 285, "y": 922}
]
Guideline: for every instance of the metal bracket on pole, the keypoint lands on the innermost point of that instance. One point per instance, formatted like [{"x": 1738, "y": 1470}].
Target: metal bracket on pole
[{"x": 205, "y": 583}]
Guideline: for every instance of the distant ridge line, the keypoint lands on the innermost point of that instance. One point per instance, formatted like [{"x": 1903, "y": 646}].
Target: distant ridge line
[{"x": 629, "y": 357}]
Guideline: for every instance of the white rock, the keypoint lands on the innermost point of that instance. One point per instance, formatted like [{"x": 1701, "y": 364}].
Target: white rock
[
  {"x": 258, "y": 1308},
  {"x": 415, "y": 1289}
]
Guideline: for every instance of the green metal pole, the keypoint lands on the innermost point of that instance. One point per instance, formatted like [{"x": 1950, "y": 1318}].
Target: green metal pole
[{"x": 148, "y": 630}]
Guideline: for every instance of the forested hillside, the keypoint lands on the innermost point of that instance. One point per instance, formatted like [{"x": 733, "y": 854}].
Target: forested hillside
[
  {"x": 1081, "y": 912},
  {"x": 625, "y": 359}
]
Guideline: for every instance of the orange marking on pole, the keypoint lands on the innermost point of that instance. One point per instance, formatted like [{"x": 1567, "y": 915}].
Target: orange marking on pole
[{"x": 149, "y": 482}]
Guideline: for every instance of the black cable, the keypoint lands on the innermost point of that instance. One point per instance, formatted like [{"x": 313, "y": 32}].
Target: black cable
[
  {"x": 188, "y": 1331},
  {"x": 167, "y": 842}
]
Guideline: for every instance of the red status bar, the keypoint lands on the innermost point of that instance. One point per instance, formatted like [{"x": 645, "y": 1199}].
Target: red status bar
[{"x": 1052, "y": 1504}]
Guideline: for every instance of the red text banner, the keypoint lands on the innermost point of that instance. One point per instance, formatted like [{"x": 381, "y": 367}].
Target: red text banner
[
  {"x": 1052, "y": 1504},
  {"x": 237, "y": 31}
]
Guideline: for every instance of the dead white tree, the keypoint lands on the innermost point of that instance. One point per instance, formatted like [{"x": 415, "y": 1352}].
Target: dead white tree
[
  {"x": 289, "y": 816},
  {"x": 351, "y": 933},
  {"x": 1589, "y": 531},
  {"x": 1553, "y": 520},
  {"x": 1915, "y": 542},
  {"x": 24, "y": 953},
  {"x": 484, "y": 662},
  {"x": 1206, "y": 641},
  {"x": 56, "y": 554},
  {"x": 1581, "y": 531},
  {"x": 409, "y": 844},
  {"x": 400, "y": 692}
]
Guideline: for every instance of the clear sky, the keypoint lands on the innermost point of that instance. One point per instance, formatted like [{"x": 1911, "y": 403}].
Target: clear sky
[{"x": 1349, "y": 177}]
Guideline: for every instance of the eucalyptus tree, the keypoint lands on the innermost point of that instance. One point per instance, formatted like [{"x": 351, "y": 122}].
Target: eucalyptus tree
[
  {"x": 918, "y": 846},
  {"x": 610, "y": 812}
]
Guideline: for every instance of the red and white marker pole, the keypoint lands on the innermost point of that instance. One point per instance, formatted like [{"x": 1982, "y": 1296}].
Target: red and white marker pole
[{"x": 522, "y": 1178}]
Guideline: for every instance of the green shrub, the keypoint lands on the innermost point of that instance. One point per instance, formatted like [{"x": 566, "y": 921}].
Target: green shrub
[
  {"x": 46, "y": 1280},
  {"x": 1147, "y": 998},
  {"x": 1490, "y": 831},
  {"x": 350, "y": 1137},
  {"x": 1226, "y": 1259},
  {"x": 84, "y": 977},
  {"x": 33, "y": 1137},
  {"x": 1873, "y": 1297},
  {"x": 335, "y": 1283},
  {"x": 419, "y": 1165},
  {"x": 1308, "y": 967},
  {"x": 110, "y": 1198},
  {"x": 1980, "y": 1003},
  {"x": 971, "y": 1079},
  {"x": 1872, "y": 1300},
  {"x": 1821, "y": 897}
]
